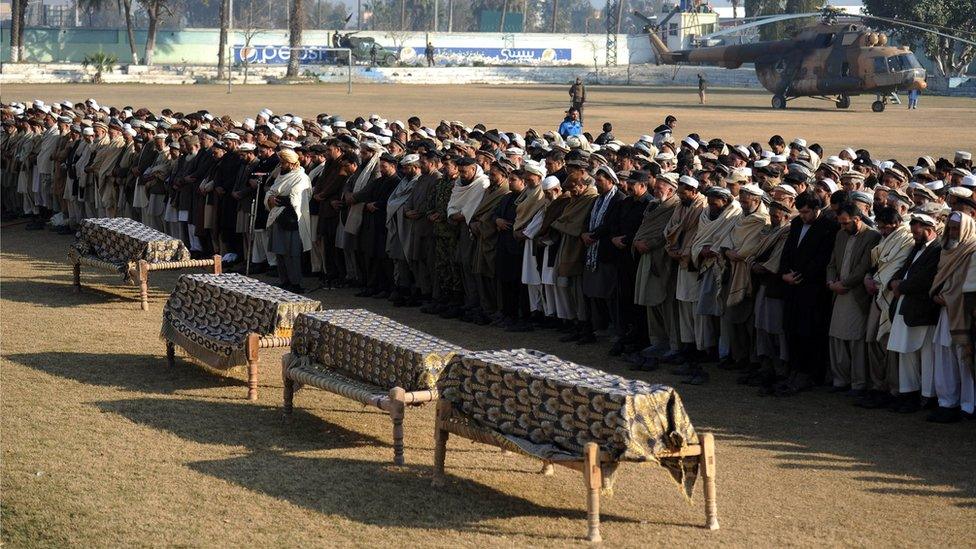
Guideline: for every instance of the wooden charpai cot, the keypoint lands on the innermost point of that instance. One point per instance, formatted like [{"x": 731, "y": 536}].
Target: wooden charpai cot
[
  {"x": 122, "y": 245},
  {"x": 537, "y": 405},
  {"x": 221, "y": 320},
  {"x": 367, "y": 358}
]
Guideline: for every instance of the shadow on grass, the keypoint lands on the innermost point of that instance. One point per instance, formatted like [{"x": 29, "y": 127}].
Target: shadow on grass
[
  {"x": 256, "y": 427},
  {"x": 141, "y": 373},
  {"x": 380, "y": 494},
  {"x": 43, "y": 293}
]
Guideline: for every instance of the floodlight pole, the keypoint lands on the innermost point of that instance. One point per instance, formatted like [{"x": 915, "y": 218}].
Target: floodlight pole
[{"x": 230, "y": 46}]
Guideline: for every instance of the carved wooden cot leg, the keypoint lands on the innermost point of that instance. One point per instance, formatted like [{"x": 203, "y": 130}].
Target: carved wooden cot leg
[
  {"x": 170, "y": 354},
  {"x": 218, "y": 266},
  {"x": 397, "y": 407},
  {"x": 252, "y": 366},
  {"x": 77, "y": 276},
  {"x": 440, "y": 442},
  {"x": 592, "y": 476},
  {"x": 708, "y": 471},
  {"x": 144, "y": 284}
]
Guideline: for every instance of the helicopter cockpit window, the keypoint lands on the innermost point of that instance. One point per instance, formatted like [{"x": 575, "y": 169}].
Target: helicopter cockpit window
[
  {"x": 909, "y": 62},
  {"x": 880, "y": 66}
]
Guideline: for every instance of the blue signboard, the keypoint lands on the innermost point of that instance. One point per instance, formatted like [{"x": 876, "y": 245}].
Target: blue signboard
[{"x": 318, "y": 55}]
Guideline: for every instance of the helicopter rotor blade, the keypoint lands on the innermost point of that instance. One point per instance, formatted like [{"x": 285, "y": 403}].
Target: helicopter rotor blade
[
  {"x": 770, "y": 19},
  {"x": 917, "y": 27}
]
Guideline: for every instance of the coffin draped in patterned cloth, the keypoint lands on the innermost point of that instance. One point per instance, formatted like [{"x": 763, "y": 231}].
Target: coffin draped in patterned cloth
[
  {"x": 123, "y": 242},
  {"x": 370, "y": 348},
  {"x": 550, "y": 408},
  {"x": 211, "y": 315}
]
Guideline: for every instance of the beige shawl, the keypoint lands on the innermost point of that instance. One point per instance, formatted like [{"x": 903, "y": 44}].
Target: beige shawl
[
  {"x": 888, "y": 257},
  {"x": 711, "y": 232},
  {"x": 949, "y": 279},
  {"x": 743, "y": 239}
]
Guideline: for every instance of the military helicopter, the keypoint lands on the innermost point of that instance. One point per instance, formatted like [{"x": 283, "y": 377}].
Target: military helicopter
[{"x": 834, "y": 59}]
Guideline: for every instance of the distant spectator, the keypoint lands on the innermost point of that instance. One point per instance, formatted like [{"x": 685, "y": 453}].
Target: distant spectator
[
  {"x": 606, "y": 136},
  {"x": 571, "y": 124}
]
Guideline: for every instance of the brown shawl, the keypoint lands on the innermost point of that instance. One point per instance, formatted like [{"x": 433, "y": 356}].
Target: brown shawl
[
  {"x": 657, "y": 216},
  {"x": 949, "y": 279},
  {"x": 680, "y": 231},
  {"x": 773, "y": 240},
  {"x": 571, "y": 223},
  {"x": 527, "y": 205}
]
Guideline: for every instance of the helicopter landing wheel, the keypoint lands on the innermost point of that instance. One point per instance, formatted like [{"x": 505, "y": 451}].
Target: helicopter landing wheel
[
  {"x": 779, "y": 102},
  {"x": 878, "y": 106},
  {"x": 843, "y": 102}
]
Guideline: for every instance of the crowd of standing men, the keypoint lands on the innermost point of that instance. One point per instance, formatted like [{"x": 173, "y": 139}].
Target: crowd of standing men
[{"x": 796, "y": 268}]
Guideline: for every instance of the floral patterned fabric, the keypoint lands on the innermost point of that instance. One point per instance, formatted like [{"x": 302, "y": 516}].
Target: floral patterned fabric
[
  {"x": 211, "y": 315},
  {"x": 551, "y": 408},
  {"x": 371, "y": 348},
  {"x": 124, "y": 242}
]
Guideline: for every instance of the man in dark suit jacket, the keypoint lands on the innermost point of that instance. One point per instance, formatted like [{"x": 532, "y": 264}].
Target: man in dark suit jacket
[
  {"x": 913, "y": 315},
  {"x": 807, "y": 299}
]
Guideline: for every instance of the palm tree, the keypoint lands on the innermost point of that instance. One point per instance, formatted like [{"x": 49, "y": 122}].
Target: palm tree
[
  {"x": 123, "y": 6},
  {"x": 295, "y": 24},
  {"x": 18, "y": 20}
]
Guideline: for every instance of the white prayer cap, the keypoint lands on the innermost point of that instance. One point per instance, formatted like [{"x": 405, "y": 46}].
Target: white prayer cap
[
  {"x": 266, "y": 113},
  {"x": 835, "y": 161},
  {"x": 292, "y": 131},
  {"x": 209, "y": 117},
  {"x": 745, "y": 172},
  {"x": 573, "y": 142},
  {"x": 45, "y": 109},
  {"x": 88, "y": 130},
  {"x": 646, "y": 139},
  {"x": 174, "y": 145},
  {"x": 691, "y": 143},
  {"x": 935, "y": 185},
  {"x": 849, "y": 152},
  {"x": 383, "y": 139},
  {"x": 830, "y": 184},
  {"x": 398, "y": 123},
  {"x": 612, "y": 146},
  {"x": 64, "y": 119},
  {"x": 799, "y": 142},
  {"x": 963, "y": 155},
  {"x": 249, "y": 123},
  {"x": 766, "y": 155},
  {"x": 246, "y": 147},
  {"x": 923, "y": 219},
  {"x": 38, "y": 103},
  {"x": 533, "y": 167},
  {"x": 961, "y": 192},
  {"x": 409, "y": 160},
  {"x": 689, "y": 181},
  {"x": 752, "y": 189},
  {"x": 514, "y": 151},
  {"x": 131, "y": 132},
  {"x": 666, "y": 156},
  {"x": 779, "y": 158},
  {"x": 969, "y": 181},
  {"x": 288, "y": 144},
  {"x": 163, "y": 136},
  {"x": 286, "y": 119},
  {"x": 281, "y": 126},
  {"x": 277, "y": 132},
  {"x": 885, "y": 165},
  {"x": 373, "y": 117},
  {"x": 785, "y": 188},
  {"x": 742, "y": 151},
  {"x": 550, "y": 182},
  {"x": 297, "y": 120},
  {"x": 761, "y": 163},
  {"x": 231, "y": 136},
  {"x": 387, "y": 133}
]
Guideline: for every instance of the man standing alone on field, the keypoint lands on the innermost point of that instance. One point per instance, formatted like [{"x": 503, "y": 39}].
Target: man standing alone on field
[
  {"x": 577, "y": 96},
  {"x": 429, "y": 53},
  {"x": 702, "y": 84}
]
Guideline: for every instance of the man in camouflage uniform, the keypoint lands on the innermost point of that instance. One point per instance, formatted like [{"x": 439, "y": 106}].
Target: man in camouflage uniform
[{"x": 447, "y": 279}]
